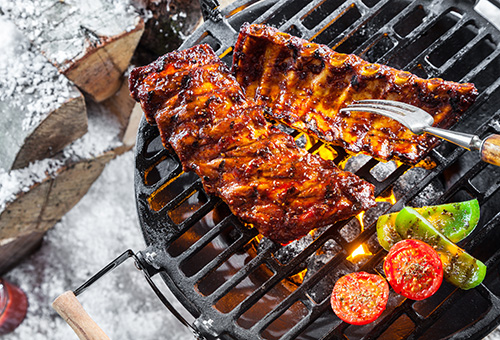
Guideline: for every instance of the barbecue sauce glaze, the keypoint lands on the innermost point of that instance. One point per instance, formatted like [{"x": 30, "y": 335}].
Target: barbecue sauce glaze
[{"x": 258, "y": 170}]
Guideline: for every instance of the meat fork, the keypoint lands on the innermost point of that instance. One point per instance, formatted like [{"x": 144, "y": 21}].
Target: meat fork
[{"x": 419, "y": 121}]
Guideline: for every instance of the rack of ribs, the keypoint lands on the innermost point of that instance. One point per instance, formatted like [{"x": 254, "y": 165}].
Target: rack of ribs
[
  {"x": 258, "y": 170},
  {"x": 304, "y": 85}
]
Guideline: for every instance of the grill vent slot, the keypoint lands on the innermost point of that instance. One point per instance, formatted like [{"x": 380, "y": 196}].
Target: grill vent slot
[
  {"x": 340, "y": 24},
  {"x": 411, "y": 21},
  {"x": 410, "y": 52},
  {"x": 320, "y": 13},
  {"x": 285, "y": 13},
  {"x": 372, "y": 26}
]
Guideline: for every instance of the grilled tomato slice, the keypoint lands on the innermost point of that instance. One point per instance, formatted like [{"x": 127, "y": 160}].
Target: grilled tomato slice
[
  {"x": 413, "y": 269},
  {"x": 359, "y": 298}
]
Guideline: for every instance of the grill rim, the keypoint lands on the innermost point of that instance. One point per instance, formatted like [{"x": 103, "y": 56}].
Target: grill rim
[{"x": 159, "y": 242}]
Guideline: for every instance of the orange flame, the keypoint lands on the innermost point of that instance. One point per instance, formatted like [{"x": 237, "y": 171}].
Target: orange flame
[
  {"x": 299, "y": 277},
  {"x": 226, "y": 52},
  {"x": 391, "y": 198},
  {"x": 362, "y": 249},
  {"x": 258, "y": 238}
]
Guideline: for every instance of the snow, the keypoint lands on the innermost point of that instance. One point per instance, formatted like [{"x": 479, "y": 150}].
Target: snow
[
  {"x": 98, "y": 229},
  {"x": 40, "y": 21},
  {"x": 29, "y": 83},
  {"x": 102, "y": 136},
  {"x": 17, "y": 181}
]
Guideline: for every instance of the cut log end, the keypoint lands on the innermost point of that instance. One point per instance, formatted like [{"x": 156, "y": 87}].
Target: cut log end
[{"x": 61, "y": 127}]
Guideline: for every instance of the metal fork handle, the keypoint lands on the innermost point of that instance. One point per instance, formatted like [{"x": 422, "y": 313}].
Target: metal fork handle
[
  {"x": 489, "y": 147},
  {"x": 465, "y": 140}
]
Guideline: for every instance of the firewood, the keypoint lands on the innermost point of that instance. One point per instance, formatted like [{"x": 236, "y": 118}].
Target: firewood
[
  {"x": 127, "y": 111},
  {"x": 34, "y": 198},
  {"x": 41, "y": 111},
  {"x": 12, "y": 250},
  {"x": 91, "y": 42}
]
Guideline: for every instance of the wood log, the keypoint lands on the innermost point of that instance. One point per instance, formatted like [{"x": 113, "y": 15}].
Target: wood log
[
  {"x": 127, "y": 111},
  {"x": 34, "y": 198},
  {"x": 91, "y": 42},
  {"x": 40, "y": 110},
  {"x": 12, "y": 250}
]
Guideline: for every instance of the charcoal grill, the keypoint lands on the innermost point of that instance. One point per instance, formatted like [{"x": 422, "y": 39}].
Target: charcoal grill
[{"x": 238, "y": 285}]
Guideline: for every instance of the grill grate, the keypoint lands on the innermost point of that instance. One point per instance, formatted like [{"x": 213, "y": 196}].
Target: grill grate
[{"x": 239, "y": 288}]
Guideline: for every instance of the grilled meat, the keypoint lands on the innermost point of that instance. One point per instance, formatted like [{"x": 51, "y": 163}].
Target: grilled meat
[
  {"x": 257, "y": 169},
  {"x": 305, "y": 85}
]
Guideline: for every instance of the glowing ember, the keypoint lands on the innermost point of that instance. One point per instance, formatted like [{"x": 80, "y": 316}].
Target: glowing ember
[
  {"x": 326, "y": 152},
  {"x": 226, "y": 52},
  {"x": 258, "y": 238}
]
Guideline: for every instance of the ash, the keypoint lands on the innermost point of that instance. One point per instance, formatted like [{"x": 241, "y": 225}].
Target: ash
[
  {"x": 408, "y": 180},
  {"x": 428, "y": 195},
  {"x": 98, "y": 229}
]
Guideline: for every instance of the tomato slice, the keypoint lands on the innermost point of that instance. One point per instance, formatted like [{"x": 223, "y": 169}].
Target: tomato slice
[
  {"x": 359, "y": 298},
  {"x": 413, "y": 269}
]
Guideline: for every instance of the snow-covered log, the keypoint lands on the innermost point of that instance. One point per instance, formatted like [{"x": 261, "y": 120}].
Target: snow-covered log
[
  {"x": 91, "y": 42},
  {"x": 41, "y": 111},
  {"x": 34, "y": 198}
]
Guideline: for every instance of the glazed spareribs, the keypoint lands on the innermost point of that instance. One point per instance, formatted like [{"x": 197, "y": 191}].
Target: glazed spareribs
[
  {"x": 304, "y": 85},
  {"x": 258, "y": 170}
]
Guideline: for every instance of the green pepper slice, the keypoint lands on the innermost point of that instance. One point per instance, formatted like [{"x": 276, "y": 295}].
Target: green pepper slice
[
  {"x": 460, "y": 268},
  {"x": 454, "y": 220}
]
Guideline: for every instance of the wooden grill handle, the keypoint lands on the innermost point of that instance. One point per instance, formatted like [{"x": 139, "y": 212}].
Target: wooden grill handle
[
  {"x": 71, "y": 310},
  {"x": 490, "y": 150}
]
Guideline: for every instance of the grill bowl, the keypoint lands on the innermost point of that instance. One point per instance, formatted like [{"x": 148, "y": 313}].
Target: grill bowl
[{"x": 240, "y": 286}]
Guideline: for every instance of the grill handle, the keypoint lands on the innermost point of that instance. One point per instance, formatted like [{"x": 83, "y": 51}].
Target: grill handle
[{"x": 71, "y": 310}]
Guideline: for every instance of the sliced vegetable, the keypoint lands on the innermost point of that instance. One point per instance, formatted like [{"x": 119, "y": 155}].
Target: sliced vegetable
[
  {"x": 359, "y": 298},
  {"x": 460, "y": 268},
  {"x": 454, "y": 220},
  {"x": 413, "y": 269},
  {"x": 386, "y": 231}
]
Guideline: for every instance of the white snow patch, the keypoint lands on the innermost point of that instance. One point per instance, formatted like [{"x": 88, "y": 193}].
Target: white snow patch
[
  {"x": 14, "y": 182},
  {"x": 40, "y": 21},
  {"x": 102, "y": 136},
  {"x": 29, "y": 83}
]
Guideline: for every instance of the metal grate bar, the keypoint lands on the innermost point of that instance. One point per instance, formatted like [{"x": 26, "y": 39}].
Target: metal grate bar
[
  {"x": 241, "y": 274},
  {"x": 285, "y": 271},
  {"x": 205, "y": 239},
  {"x": 470, "y": 46},
  {"x": 219, "y": 259},
  {"x": 298, "y": 294},
  {"x": 483, "y": 65}
]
